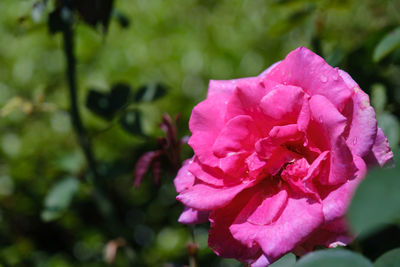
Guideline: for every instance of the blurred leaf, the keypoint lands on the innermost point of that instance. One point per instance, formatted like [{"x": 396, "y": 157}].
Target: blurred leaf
[
  {"x": 287, "y": 24},
  {"x": 389, "y": 259},
  {"x": 376, "y": 200},
  {"x": 149, "y": 93},
  {"x": 59, "y": 19},
  {"x": 387, "y": 45},
  {"x": 106, "y": 105},
  {"x": 333, "y": 258},
  {"x": 131, "y": 122},
  {"x": 391, "y": 127},
  {"x": 38, "y": 10},
  {"x": 378, "y": 98},
  {"x": 122, "y": 19},
  {"x": 286, "y": 261},
  {"x": 94, "y": 12},
  {"x": 335, "y": 58},
  {"x": 59, "y": 197}
]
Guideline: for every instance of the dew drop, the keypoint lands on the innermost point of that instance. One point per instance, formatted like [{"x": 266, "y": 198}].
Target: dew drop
[
  {"x": 320, "y": 119},
  {"x": 324, "y": 79}
]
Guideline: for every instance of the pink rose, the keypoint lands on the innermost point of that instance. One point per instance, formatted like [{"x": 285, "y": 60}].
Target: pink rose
[{"x": 277, "y": 158}]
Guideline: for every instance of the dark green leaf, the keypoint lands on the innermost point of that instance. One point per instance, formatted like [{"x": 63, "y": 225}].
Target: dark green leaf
[
  {"x": 119, "y": 95},
  {"x": 376, "y": 201},
  {"x": 59, "y": 197},
  {"x": 387, "y": 45},
  {"x": 286, "y": 261},
  {"x": 389, "y": 259},
  {"x": 122, "y": 19},
  {"x": 56, "y": 21},
  {"x": 333, "y": 258},
  {"x": 94, "y": 12},
  {"x": 131, "y": 122},
  {"x": 99, "y": 103},
  {"x": 149, "y": 93},
  {"x": 106, "y": 105}
]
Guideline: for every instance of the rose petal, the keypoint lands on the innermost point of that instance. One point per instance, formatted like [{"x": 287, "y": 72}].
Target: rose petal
[
  {"x": 309, "y": 71},
  {"x": 206, "y": 197},
  {"x": 300, "y": 217},
  {"x": 283, "y": 103},
  {"x": 381, "y": 149},
  {"x": 264, "y": 207},
  {"x": 238, "y": 134},
  {"x": 330, "y": 235},
  {"x": 328, "y": 127},
  {"x": 184, "y": 179},
  {"x": 193, "y": 216},
  {"x": 362, "y": 122},
  {"x": 220, "y": 238},
  {"x": 336, "y": 201}
]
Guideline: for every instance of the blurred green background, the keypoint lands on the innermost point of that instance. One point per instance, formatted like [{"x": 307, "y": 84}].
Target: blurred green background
[{"x": 51, "y": 213}]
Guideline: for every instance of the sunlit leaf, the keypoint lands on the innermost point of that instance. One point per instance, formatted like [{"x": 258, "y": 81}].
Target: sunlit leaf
[
  {"x": 387, "y": 45},
  {"x": 389, "y": 259},
  {"x": 333, "y": 258},
  {"x": 59, "y": 197}
]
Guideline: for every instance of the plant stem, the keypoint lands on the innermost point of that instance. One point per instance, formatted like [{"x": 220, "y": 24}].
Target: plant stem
[{"x": 80, "y": 130}]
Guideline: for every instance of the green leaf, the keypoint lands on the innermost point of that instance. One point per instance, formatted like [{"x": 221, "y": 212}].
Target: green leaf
[
  {"x": 376, "y": 200},
  {"x": 286, "y": 261},
  {"x": 106, "y": 105},
  {"x": 131, "y": 121},
  {"x": 389, "y": 259},
  {"x": 391, "y": 127},
  {"x": 387, "y": 45},
  {"x": 58, "y": 198},
  {"x": 149, "y": 93},
  {"x": 333, "y": 258},
  {"x": 378, "y": 97}
]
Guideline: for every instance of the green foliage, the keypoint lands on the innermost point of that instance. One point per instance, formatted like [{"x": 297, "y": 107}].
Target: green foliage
[
  {"x": 59, "y": 198},
  {"x": 389, "y": 259},
  {"x": 181, "y": 45},
  {"x": 387, "y": 45},
  {"x": 376, "y": 200},
  {"x": 333, "y": 258},
  {"x": 286, "y": 261}
]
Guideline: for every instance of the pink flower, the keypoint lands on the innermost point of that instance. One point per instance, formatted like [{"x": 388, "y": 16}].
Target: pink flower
[{"x": 277, "y": 158}]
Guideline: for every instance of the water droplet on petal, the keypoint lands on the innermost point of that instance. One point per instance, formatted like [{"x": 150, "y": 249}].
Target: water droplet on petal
[
  {"x": 324, "y": 79},
  {"x": 320, "y": 119}
]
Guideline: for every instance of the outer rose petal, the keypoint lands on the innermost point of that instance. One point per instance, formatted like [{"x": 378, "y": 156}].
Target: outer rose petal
[
  {"x": 381, "y": 149},
  {"x": 309, "y": 71},
  {"x": 192, "y": 216},
  {"x": 184, "y": 179},
  {"x": 330, "y": 235},
  {"x": 205, "y": 197},
  {"x": 206, "y": 123},
  {"x": 300, "y": 217},
  {"x": 336, "y": 202},
  {"x": 220, "y": 238},
  {"x": 361, "y": 119}
]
